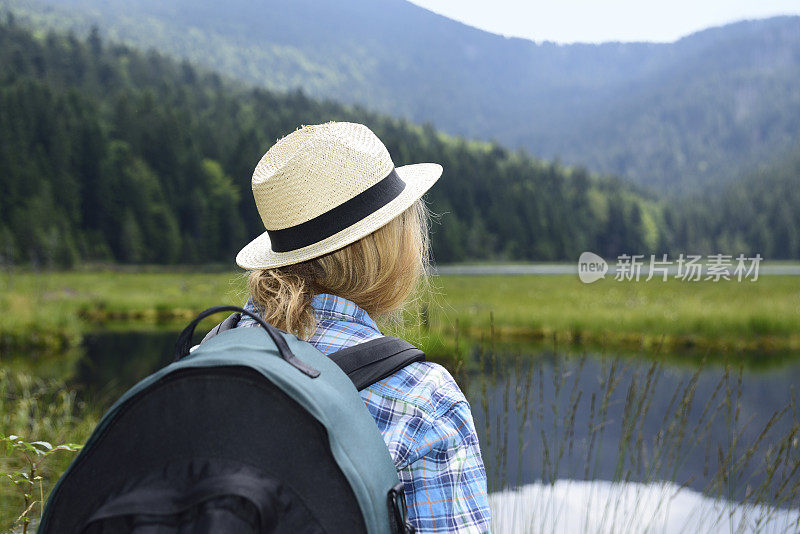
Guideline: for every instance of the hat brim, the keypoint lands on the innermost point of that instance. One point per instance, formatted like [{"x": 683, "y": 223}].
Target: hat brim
[{"x": 419, "y": 177}]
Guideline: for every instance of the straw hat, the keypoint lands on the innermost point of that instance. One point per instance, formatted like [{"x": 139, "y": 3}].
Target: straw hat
[{"x": 325, "y": 186}]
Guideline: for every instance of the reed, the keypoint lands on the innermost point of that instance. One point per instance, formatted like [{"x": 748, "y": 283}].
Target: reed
[{"x": 749, "y": 477}]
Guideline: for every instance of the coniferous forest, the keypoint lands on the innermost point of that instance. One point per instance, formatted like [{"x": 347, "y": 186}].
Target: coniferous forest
[{"x": 109, "y": 154}]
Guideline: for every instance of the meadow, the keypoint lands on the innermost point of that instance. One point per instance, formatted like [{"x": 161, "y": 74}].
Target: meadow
[{"x": 758, "y": 321}]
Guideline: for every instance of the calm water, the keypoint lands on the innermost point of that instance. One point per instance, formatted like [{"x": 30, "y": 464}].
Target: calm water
[
  {"x": 550, "y": 417},
  {"x": 694, "y": 414}
]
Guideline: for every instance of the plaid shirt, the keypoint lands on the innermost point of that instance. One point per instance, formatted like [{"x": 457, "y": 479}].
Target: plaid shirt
[{"x": 425, "y": 421}]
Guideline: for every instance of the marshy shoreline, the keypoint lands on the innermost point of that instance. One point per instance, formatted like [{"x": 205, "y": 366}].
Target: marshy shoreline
[{"x": 758, "y": 322}]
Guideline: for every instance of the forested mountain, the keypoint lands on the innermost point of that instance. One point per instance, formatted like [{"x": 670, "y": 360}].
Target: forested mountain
[
  {"x": 759, "y": 213},
  {"x": 673, "y": 116},
  {"x": 108, "y": 153}
]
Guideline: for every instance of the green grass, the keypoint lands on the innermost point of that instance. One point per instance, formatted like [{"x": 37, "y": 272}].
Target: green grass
[
  {"x": 761, "y": 316},
  {"x": 52, "y": 310},
  {"x": 36, "y": 409}
]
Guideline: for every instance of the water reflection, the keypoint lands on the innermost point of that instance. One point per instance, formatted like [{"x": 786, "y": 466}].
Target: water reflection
[
  {"x": 115, "y": 361},
  {"x": 606, "y": 507},
  {"x": 547, "y": 417}
]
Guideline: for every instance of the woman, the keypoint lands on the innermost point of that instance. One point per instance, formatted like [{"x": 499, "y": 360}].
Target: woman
[{"x": 347, "y": 241}]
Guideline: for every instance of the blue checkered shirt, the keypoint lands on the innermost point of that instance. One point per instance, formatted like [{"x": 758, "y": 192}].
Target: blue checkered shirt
[{"x": 425, "y": 421}]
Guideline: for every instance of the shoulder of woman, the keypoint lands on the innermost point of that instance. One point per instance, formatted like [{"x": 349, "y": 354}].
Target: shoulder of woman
[
  {"x": 418, "y": 409},
  {"x": 426, "y": 385}
]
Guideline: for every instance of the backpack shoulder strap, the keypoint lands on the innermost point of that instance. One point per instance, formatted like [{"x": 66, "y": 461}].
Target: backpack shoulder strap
[
  {"x": 231, "y": 322},
  {"x": 365, "y": 363},
  {"x": 376, "y": 359}
]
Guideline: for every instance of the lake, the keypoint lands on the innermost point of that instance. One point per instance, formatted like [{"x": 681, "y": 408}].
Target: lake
[{"x": 564, "y": 431}]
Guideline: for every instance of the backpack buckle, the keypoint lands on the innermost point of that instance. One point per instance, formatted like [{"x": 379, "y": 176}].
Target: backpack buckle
[{"x": 397, "y": 510}]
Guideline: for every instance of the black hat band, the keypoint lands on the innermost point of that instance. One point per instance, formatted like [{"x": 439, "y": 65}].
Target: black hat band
[{"x": 337, "y": 219}]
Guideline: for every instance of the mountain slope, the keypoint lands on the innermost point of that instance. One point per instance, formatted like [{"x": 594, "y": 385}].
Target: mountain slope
[
  {"x": 668, "y": 115},
  {"x": 755, "y": 214},
  {"x": 107, "y": 153}
]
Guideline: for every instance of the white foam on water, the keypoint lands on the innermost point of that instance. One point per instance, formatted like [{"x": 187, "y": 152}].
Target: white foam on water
[{"x": 610, "y": 507}]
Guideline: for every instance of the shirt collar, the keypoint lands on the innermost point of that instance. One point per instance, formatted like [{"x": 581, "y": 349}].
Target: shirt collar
[{"x": 328, "y": 306}]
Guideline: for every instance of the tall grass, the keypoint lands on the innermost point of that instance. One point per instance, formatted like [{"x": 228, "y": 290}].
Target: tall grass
[
  {"x": 47, "y": 413},
  {"x": 636, "y": 453}
]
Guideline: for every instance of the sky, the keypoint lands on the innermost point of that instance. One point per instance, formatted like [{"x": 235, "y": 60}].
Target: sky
[{"x": 569, "y": 21}]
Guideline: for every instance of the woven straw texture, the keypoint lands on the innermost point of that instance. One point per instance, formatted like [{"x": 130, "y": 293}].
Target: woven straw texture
[{"x": 313, "y": 170}]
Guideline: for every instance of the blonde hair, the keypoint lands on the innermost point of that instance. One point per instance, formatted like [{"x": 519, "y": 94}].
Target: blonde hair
[{"x": 382, "y": 273}]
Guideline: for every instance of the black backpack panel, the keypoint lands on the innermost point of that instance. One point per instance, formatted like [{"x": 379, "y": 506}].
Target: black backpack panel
[
  {"x": 158, "y": 429},
  {"x": 202, "y": 496}
]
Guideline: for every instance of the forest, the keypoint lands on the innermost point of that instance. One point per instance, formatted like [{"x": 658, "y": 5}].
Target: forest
[
  {"x": 759, "y": 212},
  {"x": 108, "y": 154}
]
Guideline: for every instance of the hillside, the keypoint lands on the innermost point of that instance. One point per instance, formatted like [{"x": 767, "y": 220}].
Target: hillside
[
  {"x": 110, "y": 154},
  {"x": 757, "y": 213},
  {"x": 672, "y": 116}
]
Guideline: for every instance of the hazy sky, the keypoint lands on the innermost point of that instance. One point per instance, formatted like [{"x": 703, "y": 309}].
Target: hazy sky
[{"x": 567, "y": 21}]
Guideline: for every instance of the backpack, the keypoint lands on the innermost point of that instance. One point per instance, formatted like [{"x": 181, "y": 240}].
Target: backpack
[{"x": 253, "y": 431}]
